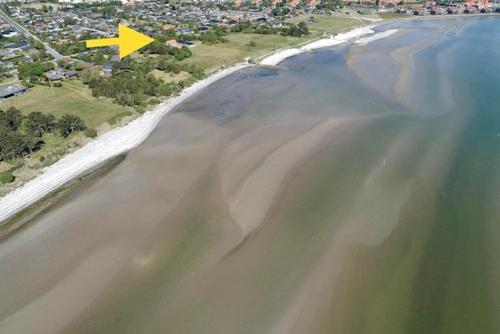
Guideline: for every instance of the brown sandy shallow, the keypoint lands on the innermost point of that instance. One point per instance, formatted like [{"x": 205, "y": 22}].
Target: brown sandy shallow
[{"x": 399, "y": 67}]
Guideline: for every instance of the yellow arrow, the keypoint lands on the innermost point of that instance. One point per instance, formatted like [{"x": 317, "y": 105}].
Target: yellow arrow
[{"x": 128, "y": 40}]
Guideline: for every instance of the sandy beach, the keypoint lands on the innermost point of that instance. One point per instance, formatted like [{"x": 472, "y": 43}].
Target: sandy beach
[
  {"x": 109, "y": 145},
  {"x": 333, "y": 40},
  {"x": 123, "y": 139}
]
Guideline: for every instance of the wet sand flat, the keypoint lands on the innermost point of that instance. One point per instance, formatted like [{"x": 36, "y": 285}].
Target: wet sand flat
[{"x": 287, "y": 201}]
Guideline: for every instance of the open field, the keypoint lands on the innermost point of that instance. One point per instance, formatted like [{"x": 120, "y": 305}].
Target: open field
[
  {"x": 9, "y": 81},
  {"x": 170, "y": 78},
  {"x": 72, "y": 98},
  {"x": 327, "y": 23},
  {"x": 391, "y": 15},
  {"x": 237, "y": 48}
]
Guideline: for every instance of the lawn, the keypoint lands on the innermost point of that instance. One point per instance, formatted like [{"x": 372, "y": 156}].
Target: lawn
[
  {"x": 237, "y": 49},
  {"x": 391, "y": 15},
  {"x": 72, "y": 98},
  {"x": 170, "y": 78},
  {"x": 327, "y": 23}
]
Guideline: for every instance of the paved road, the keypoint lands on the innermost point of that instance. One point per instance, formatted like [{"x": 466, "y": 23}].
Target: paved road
[{"x": 27, "y": 34}]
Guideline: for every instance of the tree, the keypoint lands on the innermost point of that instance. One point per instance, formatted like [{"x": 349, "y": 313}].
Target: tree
[
  {"x": 69, "y": 124},
  {"x": 10, "y": 119},
  {"x": 69, "y": 21},
  {"x": 33, "y": 71},
  {"x": 88, "y": 74},
  {"x": 14, "y": 144},
  {"x": 38, "y": 124}
]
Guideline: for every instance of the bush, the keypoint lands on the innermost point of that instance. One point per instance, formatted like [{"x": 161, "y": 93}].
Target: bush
[
  {"x": 6, "y": 177},
  {"x": 90, "y": 132},
  {"x": 69, "y": 124},
  {"x": 154, "y": 101}
]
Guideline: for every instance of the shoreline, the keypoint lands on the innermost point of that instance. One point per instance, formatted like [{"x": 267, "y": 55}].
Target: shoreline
[
  {"x": 123, "y": 139},
  {"x": 343, "y": 37},
  {"x": 110, "y": 144}
]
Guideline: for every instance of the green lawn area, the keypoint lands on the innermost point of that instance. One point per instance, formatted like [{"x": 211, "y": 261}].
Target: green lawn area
[
  {"x": 236, "y": 49},
  {"x": 72, "y": 98},
  {"x": 170, "y": 78},
  {"x": 327, "y": 23},
  {"x": 391, "y": 15}
]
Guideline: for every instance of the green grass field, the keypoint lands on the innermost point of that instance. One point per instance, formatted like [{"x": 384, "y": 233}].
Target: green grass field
[
  {"x": 327, "y": 23},
  {"x": 236, "y": 49},
  {"x": 391, "y": 15},
  {"x": 170, "y": 78},
  {"x": 72, "y": 98}
]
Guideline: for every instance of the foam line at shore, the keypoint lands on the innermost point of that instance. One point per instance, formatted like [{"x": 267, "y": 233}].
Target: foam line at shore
[
  {"x": 106, "y": 146},
  {"x": 350, "y": 35}
]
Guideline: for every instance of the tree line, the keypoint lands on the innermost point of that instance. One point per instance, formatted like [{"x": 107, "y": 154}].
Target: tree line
[
  {"x": 22, "y": 135},
  {"x": 132, "y": 83}
]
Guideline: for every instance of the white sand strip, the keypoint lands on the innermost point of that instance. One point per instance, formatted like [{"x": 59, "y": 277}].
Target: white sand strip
[
  {"x": 377, "y": 36},
  {"x": 279, "y": 56},
  {"x": 350, "y": 35},
  {"x": 339, "y": 38},
  {"x": 110, "y": 144}
]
